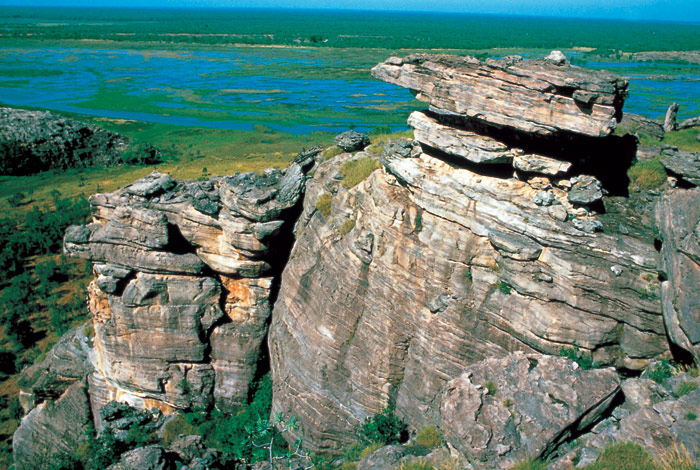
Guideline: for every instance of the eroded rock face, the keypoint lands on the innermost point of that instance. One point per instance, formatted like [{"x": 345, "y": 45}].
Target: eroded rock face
[
  {"x": 678, "y": 219},
  {"x": 439, "y": 268},
  {"x": 52, "y": 428},
  {"x": 500, "y": 411},
  {"x": 536, "y": 96},
  {"x": 33, "y": 141},
  {"x": 180, "y": 302}
]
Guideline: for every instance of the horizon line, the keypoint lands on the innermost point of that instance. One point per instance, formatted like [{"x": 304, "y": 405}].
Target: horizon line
[{"x": 356, "y": 10}]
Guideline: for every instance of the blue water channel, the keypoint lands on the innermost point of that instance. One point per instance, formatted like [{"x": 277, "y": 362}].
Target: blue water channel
[{"x": 230, "y": 89}]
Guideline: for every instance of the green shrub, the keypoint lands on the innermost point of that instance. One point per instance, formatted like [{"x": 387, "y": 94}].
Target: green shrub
[
  {"x": 323, "y": 204},
  {"x": 690, "y": 416},
  {"x": 429, "y": 436},
  {"x": 331, "y": 152},
  {"x": 504, "y": 287},
  {"x": 582, "y": 358},
  {"x": 383, "y": 428},
  {"x": 647, "y": 175},
  {"x": 491, "y": 387},
  {"x": 624, "y": 456},
  {"x": 356, "y": 171},
  {"x": 347, "y": 226},
  {"x": 660, "y": 371},
  {"x": 530, "y": 464},
  {"x": 686, "y": 387},
  {"x": 352, "y": 452}
]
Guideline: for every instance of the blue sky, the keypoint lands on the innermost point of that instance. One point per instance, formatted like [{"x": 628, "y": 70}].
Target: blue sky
[{"x": 666, "y": 10}]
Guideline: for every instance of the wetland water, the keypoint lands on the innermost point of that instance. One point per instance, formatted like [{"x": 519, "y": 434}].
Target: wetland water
[{"x": 287, "y": 89}]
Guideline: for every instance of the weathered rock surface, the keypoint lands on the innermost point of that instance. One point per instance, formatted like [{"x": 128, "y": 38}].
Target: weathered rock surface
[
  {"x": 52, "y": 428},
  {"x": 670, "y": 123},
  {"x": 634, "y": 123},
  {"x": 66, "y": 363},
  {"x": 652, "y": 415},
  {"x": 180, "y": 302},
  {"x": 500, "y": 411},
  {"x": 351, "y": 141},
  {"x": 33, "y": 141},
  {"x": 534, "y": 96},
  {"x": 682, "y": 163},
  {"x": 678, "y": 219},
  {"x": 689, "y": 123},
  {"x": 442, "y": 268}
]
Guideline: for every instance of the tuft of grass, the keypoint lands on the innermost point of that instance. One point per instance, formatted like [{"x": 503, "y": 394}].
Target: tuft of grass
[
  {"x": 347, "y": 226},
  {"x": 348, "y": 466},
  {"x": 676, "y": 457},
  {"x": 331, "y": 152},
  {"x": 323, "y": 205},
  {"x": 690, "y": 416},
  {"x": 491, "y": 387},
  {"x": 356, "y": 171},
  {"x": 685, "y": 139},
  {"x": 582, "y": 358},
  {"x": 624, "y": 456},
  {"x": 429, "y": 436},
  {"x": 530, "y": 464},
  {"x": 370, "y": 448},
  {"x": 352, "y": 452},
  {"x": 417, "y": 464},
  {"x": 660, "y": 372},
  {"x": 504, "y": 287},
  {"x": 647, "y": 175},
  {"x": 686, "y": 387}
]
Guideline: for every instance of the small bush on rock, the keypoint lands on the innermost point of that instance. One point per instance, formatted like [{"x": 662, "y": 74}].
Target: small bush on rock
[
  {"x": 582, "y": 358},
  {"x": 647, "y": 175},
  {"x": 429, "y": 436},
  {"x": 624, "y": 456},
  {"x": 686, "y": 387},
  {"x": 384, "y": 428},
  {"x": 323, "y": 204},
  {"x": 660, "y": 371}
]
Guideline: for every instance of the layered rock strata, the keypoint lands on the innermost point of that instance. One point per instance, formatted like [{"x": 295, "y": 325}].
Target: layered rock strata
[
  {"x": 444, "y": 257},
  {"x": 536, "y": 96},
  {"x": 181, "y": 298}
]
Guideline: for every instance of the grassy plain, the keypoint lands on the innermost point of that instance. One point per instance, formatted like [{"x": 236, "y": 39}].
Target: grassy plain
[{"x": 288, "y": 45}]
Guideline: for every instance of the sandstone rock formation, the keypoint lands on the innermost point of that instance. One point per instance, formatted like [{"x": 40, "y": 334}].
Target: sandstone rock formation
[
  {"x": 33, "y": 141},
  {"x": 180, "y": 303},
  {"x": 678, "y": 219},
  {"x": 537, "y": 96},
  {"x": 501, "y": 411},
  {"x": 670, "y": 123}
]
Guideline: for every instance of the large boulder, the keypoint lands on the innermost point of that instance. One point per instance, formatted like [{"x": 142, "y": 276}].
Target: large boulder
[
  {"x": 521, "y": 406},
  {"x": 535, "y": 96}
]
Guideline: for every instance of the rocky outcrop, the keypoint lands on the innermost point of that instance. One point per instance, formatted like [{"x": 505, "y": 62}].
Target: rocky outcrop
[
  {"x": 670, "y": 123},
  {"x": 689, "y": 123},
  {"x": 500, "y": 411},
  {"x": 351, "y": 141},
  {"x": 535, "y": 96},
  {"x": 34, "y": 141},
  {"x": 684, "y": 164},
  {"x": 635, "y": 124},
  {"x": 52, "y": 428},
  {"x": 678, "y": 219},
  {"x": 180, "y": 303}
]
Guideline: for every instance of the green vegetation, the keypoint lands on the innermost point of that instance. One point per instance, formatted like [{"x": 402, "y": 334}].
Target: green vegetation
[
  {"x": 647, "y": 175},
  {"x": 504, "y": 287},
  {"x": 416, "y": 464},
  {"x": 690, "y": 416},
  {"x": 372, "y": 447},
  {"x": 331, "y": 152},
  {"x": 356, "y": 171},
  {"x": 347, "y": 226},
  {"x": 582, "y": 358},
  {"x": 429, "y": 436},
  {"x": 686, "y": 387},
  {"x": 624, "y": 456},
  {"x": 491, "y": 387},
  {"x": 325, "y": 30},
  {"x": 660, "y": 371},
  {"x": 530, "y": 464},
  {"x": 323, "y": 204},
  {"x": 383, "y": 428}
]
